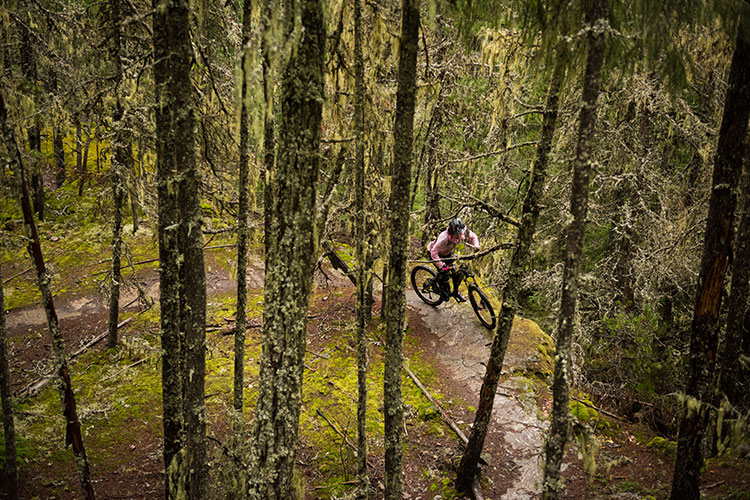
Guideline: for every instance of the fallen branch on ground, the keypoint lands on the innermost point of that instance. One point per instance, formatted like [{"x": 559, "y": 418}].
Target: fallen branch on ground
[
  {"x": 600, "y": 410},
  {"x": 123, "y": 370},
  {"x": 346, "y": 439},
  {"x": 149, "y": 261},
  {"x": 40, "y": 383}
]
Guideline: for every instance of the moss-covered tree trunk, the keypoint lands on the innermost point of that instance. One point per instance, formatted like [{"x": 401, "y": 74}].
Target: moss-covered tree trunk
[
  {"x": 290, "y": 258},
  {"x": 190, "y": 235},
  {"x": 30, "y": 73},
  {"x": 9, "y": 428},
  {"x": 169, "y": 279},
  {"x": 395, "y": 303},
  {"x": 469, "y": 468},
  {"x": 59, "y": 149},
  {"x": 73, "y": 433},
  {"x": 731, "y": 345},
  {"x": 558, "y": 433},
  {"x": 361, "y": 232},
  {"x": 269, "y": 141},
  {"x": 242, "y": 229},
  {"x": 117, "y": 169},
  {"x": 717, "y": 243}
]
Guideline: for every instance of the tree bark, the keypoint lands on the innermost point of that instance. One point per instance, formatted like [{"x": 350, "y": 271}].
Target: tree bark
[
  {"x": 558, "y": 434},
  {"x": 290, "y": 258},
  {"x": 716, "y": 248},
  {"x": 399, "y": 227},
  {"x": 73, "y": 427},
  {"x": 190, "y": 234},
  {"x": 59, "y": 149},
  {"x": 269, "y": 141},
  {"x": 362, "y": 270},
  {"x": 169, "y": 281},
  {"x": 242, "y": 229},
  {"x": 11, "y": 464},
  {"x": 731, "y": 346},
  {"x": 117, "y": 169},
  {"x": 468, "y": 469},
  {"x": 29, "y": 68}
]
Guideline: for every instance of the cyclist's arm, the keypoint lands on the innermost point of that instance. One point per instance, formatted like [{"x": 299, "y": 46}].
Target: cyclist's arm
[{"x": 471, "y": 240}]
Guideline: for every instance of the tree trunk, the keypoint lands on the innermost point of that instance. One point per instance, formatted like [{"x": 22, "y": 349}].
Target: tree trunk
[
  {"x": 73, "y": 427},
  {"x": 730, "y": 347},
  {"x": 716, "y": 248},
  {"x": 83, "y": 172},
  {"x": 399, "y": 227},
  {"x": 290, "y": 258},
  {"x": 190, "y": 236},
  {"x": 362, "y": 270},
  {"x": 29, "y": 69},
  {"x": 558, "y": 434},
  {"x": 242, "y": 229},
  {"x": 79, "y": 152},
  {"x": 37, "y": 182},
  {"x": 59, "y": 149},
  {"x": 269, "y": 141},
  {"x": 169, "y": 282},
  {"x": 117, "y": 170},
  {"x": 468, "y": 468},
  {"x": 11, "y": 465}
]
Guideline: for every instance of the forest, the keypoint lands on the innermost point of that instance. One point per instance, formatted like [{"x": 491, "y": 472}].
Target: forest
[{"x": 215, "y": 230}]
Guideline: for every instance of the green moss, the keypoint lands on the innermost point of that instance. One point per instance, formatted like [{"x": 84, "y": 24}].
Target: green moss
[{"x": 664, "y": 445}]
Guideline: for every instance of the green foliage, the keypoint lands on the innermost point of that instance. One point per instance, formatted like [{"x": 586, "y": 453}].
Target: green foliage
[{"x": 641, "y": 363}]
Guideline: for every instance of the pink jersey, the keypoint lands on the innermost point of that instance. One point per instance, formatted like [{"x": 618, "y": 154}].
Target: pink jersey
[{"x": 446, "y": 243}]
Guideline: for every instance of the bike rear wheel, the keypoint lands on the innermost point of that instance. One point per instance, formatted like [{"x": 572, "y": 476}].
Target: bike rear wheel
[
  {"x": 424, "y": 282},
  {"x": 482, "y": 307}
]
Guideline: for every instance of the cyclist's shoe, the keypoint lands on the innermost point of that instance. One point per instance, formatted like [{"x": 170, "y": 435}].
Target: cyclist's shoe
[
  {"x": 459, "y": 297},
  {"x": 445, "y": 296}
]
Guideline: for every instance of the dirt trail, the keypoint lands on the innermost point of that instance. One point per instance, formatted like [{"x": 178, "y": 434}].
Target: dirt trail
[{"x": 463, "y": 348}]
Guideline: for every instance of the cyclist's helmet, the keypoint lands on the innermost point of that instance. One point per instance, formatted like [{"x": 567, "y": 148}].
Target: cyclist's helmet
[{"x": 456, "y": 227}]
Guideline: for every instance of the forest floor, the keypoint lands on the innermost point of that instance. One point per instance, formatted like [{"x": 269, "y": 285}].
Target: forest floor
[{"x": 119, "y": 399}]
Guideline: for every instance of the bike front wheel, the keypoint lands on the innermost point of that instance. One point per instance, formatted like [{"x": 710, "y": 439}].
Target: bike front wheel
[
  {"x": 482, "y": 307},
  {"x": 424, "y": 282}
]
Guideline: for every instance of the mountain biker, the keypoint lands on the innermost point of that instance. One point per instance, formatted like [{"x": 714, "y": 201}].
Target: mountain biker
[{"x": 442, "y": 248}]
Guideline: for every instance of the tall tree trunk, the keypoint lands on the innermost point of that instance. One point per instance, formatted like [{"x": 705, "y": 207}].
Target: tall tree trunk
[
  {"x": 290, "y": 258},
  {"x": 169, "y": 281},
  {"x": 73, "y": 427},
  {"x": 79, "y": 152},
  {"x": 716, "y": 248},
  {"x": 9, "y": 428},
  {"x": 269, "y": 141},
  {"x": 83, "y": 172},
  {"x": 468, "y": 469},
  {"x": 37, "y": 183},
  {"x": 558, "y": 434},
  {"x": 731, "y": 346},
  {"x": 59, "y": 149},
  {"x": 117, "y": 170},
  {"x": 403, "y": 132},
  {"x": 193, "y": 291},
  {"x": 242, "y": 229},
  {"x": 362, "y": 270},
  {"x": 29, "y": 69},
  {"x": 135, "y": 183}
]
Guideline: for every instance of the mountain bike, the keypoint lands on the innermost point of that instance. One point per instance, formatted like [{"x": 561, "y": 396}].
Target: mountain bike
[{"x": 429, "y": 288}]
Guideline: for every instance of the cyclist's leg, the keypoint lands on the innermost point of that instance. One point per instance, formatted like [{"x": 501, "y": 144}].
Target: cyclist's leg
[
  {"x": 443, "y": 281},
  {"x": 457, "y": 277}
]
